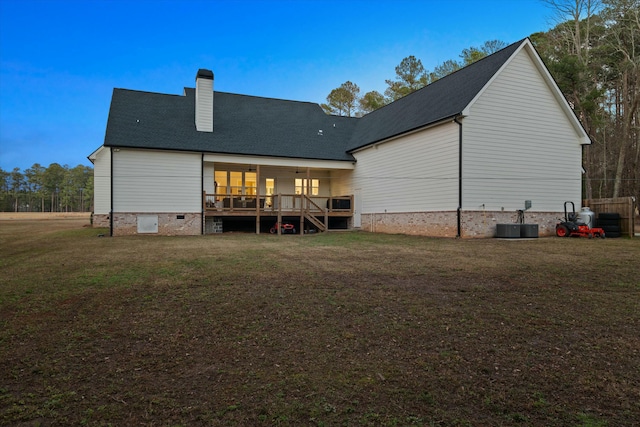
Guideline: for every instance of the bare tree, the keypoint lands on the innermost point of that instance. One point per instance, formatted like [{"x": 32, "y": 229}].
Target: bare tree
[
  {"x": 578, "y": 14},
  {"x": 622, "y": 19}
]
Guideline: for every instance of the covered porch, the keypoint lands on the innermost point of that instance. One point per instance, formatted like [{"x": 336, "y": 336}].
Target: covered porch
[{"x": 311, "y": 198}]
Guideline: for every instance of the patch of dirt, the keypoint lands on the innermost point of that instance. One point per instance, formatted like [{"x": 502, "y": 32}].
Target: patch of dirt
[{"x": 332, "y": 329}]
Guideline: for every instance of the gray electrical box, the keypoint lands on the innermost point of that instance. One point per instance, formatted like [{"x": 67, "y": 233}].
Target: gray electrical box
[{"x": 147, "y": 224}]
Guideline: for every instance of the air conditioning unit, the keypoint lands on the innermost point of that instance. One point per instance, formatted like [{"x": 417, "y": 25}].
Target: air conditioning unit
[{"x": 506, "y": 231}]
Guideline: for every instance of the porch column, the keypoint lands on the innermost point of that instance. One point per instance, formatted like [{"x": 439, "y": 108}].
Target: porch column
[
  {"x": 301, "y": 221},
  {"x": 257, "y": 199},
  {"x": 308, "y": 183},
  {"x": 278, "y": 226}
]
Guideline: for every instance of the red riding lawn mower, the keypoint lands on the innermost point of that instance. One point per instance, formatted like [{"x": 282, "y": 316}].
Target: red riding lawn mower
[
  {"x": 574, "y": 226},
  {"x": 285, "y": 228}
]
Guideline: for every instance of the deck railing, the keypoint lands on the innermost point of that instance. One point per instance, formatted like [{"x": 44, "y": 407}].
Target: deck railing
[{"x": 289, "y": 204}]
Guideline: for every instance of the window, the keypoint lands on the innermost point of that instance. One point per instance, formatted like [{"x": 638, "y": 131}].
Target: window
[
  {"x": 235, "y": 183},
  {"x": 250, "y": 183},
  {"x": 220, "y": 183},
  {"x": 302, "y": 186},
  {"x": 270, "y": 187}
]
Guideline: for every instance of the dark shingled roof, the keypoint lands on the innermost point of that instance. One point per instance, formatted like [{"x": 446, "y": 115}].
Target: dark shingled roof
[
  {"x": 249, "y": 125},
  {"x": 445, "y": 98},
  {"x": 241, "y": 125}
]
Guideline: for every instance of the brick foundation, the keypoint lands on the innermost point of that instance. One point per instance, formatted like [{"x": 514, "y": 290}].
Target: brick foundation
[
  {"x": 169, "y": 224},
  {"x": 444, "y": 224},
  {"x": 483, "y": 224},
  {"x": 101, "y": 220},
  {"x": 436, "y": 224}
]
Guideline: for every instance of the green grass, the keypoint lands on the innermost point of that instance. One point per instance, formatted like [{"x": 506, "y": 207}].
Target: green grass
[{"x": 348, "y": 328}]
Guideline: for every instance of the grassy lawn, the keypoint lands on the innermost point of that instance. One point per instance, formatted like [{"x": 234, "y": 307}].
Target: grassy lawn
[{"x": 346, "y": 329}]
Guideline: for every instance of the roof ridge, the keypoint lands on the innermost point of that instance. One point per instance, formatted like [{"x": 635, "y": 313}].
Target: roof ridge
[
  {"x": 449, "y": 75},
  {"x": 260, "y": 97},
  {"x": 479, "y": 61},
  {"x": 145, "y": 91},
  {"x": 446, "y": 97}
]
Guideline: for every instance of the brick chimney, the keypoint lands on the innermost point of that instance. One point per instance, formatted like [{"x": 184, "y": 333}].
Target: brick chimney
[{"x": 204, "y": 100}]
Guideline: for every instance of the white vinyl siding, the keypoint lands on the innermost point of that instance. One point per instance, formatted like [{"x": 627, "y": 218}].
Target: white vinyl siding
[
  {"x": 102, "y": 182},
  {"x": 157, "y": 181},
  {"x": 341, "y": 183},
  {"x": 415, "y": 173},
  {"x": 208, "y": 180},
  {"x": 519, "y": 145}
]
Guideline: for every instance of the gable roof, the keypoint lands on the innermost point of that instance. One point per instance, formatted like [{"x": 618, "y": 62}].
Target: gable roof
[
  {"x": 256, "y": 126},
  {"x": 527, "y": 46},
  {"x": 445, "y": 98}
]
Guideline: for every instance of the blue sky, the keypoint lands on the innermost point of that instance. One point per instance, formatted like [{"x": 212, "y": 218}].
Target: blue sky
[{"x": 61, "y": 59}]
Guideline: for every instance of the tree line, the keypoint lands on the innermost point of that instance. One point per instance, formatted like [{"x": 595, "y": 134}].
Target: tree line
[
  {"x": 410, "y": 76},
  {"x": 47, "y": 189},
  {"x": 593, "y": 53},
  {"x": 594, "y": 56}
]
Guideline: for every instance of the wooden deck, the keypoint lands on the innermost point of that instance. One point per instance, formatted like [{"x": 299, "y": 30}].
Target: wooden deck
[{"x": 316, "y": 210}]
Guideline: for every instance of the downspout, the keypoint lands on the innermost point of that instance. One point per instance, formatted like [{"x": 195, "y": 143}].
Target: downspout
[
  {"x": 459, "y": 210},
  {"x": 202, "y": 202},
  {"x": 111, "y": 196}
]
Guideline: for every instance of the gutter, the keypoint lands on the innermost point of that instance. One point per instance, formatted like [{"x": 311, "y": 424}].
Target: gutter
[
  {"x": 404, "y": 133},
  {"x": 459, "y": 210}
]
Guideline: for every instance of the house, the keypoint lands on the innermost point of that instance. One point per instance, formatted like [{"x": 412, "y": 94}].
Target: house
[{"x": 452, "y": 159}]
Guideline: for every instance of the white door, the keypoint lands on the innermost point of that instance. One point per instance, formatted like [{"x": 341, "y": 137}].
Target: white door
[{"x": 357, "y": 208}]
